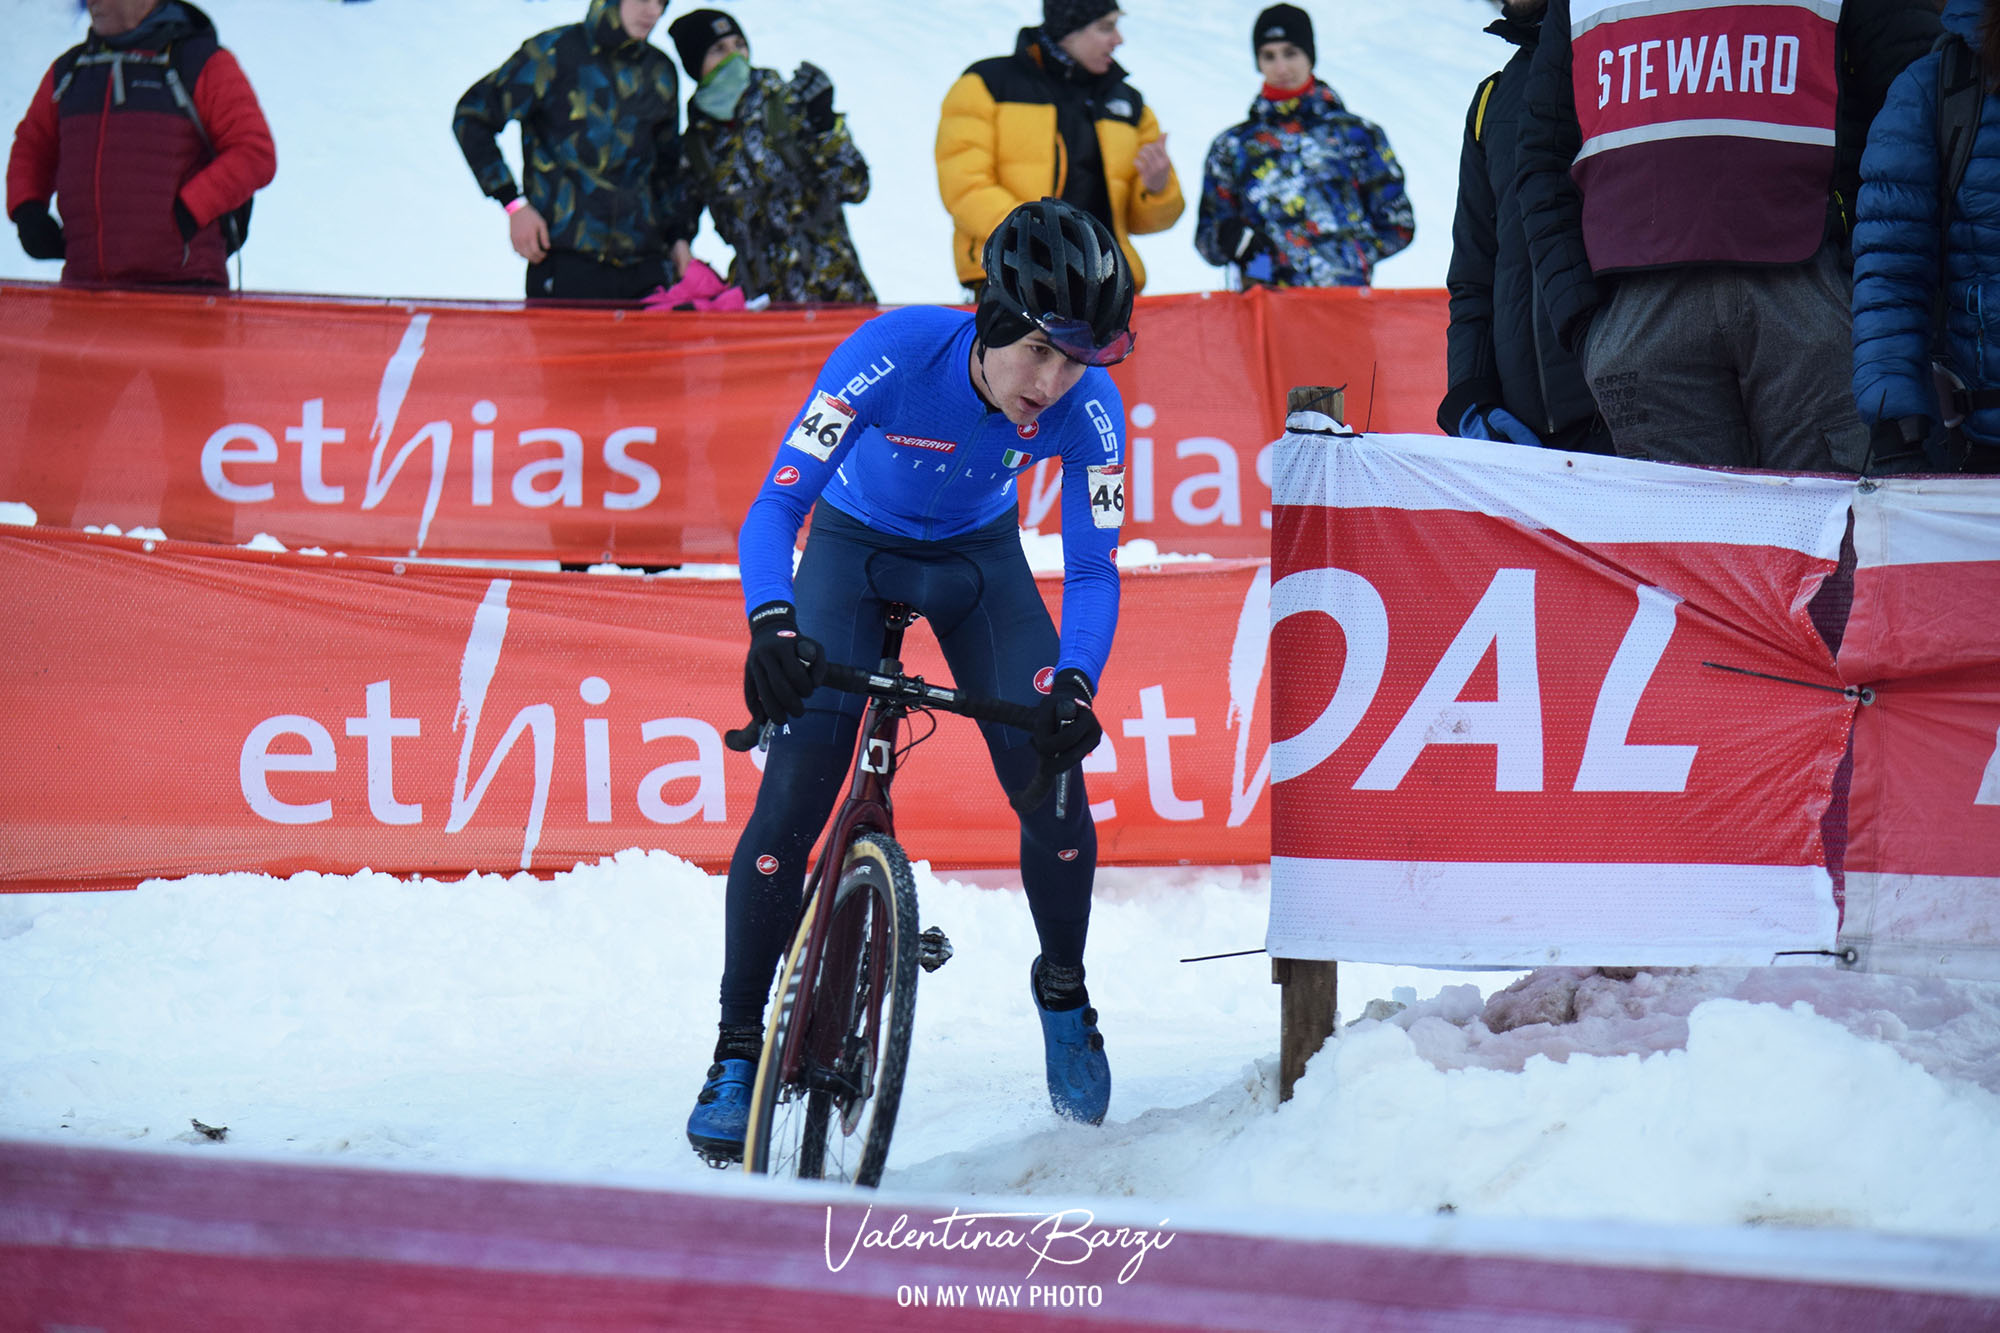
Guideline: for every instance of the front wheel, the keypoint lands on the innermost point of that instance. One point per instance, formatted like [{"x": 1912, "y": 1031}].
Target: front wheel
[{"x": 852, "y": 1017}]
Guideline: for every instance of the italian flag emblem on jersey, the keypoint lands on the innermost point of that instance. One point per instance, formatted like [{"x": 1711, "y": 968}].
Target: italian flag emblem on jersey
[{"x": 1013, "y": 458}]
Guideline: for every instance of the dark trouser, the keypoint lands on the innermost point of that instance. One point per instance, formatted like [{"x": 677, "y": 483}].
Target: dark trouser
[
  {"x": 1731, "y": 366},
  {"x": 565, "y": 275},
  {"x": 979, "y": 597}
]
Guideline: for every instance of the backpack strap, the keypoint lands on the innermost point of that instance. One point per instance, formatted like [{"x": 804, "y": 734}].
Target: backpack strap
[{"x": 236, "y": 222}]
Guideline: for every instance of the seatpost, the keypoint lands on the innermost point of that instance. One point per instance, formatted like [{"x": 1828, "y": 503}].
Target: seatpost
[{"x": 896, "y": 617}]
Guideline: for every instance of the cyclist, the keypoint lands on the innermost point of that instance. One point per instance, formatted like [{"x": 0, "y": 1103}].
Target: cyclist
[{"x": 911, "y": 443}]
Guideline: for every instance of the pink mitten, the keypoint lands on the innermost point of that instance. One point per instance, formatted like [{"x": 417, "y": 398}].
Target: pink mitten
[
  {"x": 729, "y": 298},
  {"x": 697, "y": 284}
]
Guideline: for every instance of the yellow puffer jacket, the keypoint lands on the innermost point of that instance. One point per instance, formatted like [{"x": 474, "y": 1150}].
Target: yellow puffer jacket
[{"x": 998, "y": 147}]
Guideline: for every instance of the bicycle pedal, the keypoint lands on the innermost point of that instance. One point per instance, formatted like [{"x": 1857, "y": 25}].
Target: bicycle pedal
[{"x": 933, "y": 950}]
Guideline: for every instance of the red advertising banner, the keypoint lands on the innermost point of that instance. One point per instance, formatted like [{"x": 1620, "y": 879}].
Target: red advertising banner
[
  {"x": 498, "y": 430},
  {"x": 1532, "y": 707},
  {"x": 170, "y": 709},
  {"x": 1923, "y": 859}
]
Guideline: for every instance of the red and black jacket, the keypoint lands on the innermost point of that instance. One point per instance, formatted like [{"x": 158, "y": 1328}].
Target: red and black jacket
[{"x": 123, "y": 129}]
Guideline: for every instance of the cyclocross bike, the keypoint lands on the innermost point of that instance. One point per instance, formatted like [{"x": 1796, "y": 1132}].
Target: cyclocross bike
[{"x": 837, "y": 1041}]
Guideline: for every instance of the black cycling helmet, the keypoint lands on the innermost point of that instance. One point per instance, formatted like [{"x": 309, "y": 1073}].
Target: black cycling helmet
[{"x": 1051, "y": 266}]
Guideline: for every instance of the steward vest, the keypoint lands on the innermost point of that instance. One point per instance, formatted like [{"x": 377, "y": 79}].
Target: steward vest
[{"x": 1708, "y": 129}]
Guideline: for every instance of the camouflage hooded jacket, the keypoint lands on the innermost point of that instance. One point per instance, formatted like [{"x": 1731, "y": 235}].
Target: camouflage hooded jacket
[
  {"x": 600, "y": 135},
  {"x": 1315, "y": 180},
  {"x": 774, "y": 190}
]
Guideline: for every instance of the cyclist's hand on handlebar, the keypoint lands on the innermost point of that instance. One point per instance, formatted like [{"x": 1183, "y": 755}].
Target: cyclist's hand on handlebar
[
  {"x": 783, "y": 666},
  {"x": 1065, "y": 727}
]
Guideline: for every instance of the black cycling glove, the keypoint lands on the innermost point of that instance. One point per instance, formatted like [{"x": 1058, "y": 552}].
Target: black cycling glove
[
  {"x": 783, "y": 666},
  {"x": 1065, "y": 727}
]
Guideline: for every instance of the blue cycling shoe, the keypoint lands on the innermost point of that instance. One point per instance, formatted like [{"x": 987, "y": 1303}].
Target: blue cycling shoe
[
  {"x": 721, "y": 1114},
  {"x": 1079, "y": 1075}
]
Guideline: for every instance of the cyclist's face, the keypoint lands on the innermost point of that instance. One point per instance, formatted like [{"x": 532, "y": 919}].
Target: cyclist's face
[{"x": 1025, "y": 378}]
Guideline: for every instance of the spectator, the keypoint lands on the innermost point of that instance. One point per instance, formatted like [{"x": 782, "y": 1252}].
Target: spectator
[
  {"x": 773, "y": 163},
  {"x": 600, "y": 139},
  {"x": 1698, "y": 276},
  {"x": 151, "y": 142},
  {"x": 1897, "y": 282},
  {"x": 1304, "y": 193},
  {"x": 1056, "y": 118},
  {"x": 1509, "y": 377}
]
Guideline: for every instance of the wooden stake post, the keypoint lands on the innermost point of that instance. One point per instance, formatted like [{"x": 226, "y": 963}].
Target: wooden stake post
[{"x": 1308, "y": 987}]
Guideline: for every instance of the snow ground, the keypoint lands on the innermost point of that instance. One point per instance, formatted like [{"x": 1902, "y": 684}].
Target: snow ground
[{"x": 559, "y": 1029}]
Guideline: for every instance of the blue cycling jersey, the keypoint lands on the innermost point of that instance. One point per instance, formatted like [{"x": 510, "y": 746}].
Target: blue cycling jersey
[{"x": 895, "y": 436}]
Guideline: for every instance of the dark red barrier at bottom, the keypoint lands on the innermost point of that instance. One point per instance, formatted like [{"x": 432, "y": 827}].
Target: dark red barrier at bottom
[{"x": 115, "y": 1240}]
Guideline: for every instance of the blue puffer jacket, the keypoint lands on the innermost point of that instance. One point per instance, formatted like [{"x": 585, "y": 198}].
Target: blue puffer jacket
[{"x": 1895, "y": 251}]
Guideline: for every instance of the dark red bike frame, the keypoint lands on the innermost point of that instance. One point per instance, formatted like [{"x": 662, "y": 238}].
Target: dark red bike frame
[{"x": 868, "y": 809}]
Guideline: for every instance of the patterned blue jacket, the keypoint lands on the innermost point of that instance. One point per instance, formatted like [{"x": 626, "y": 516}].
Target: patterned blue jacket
[
  {"x": 1895, "y": 251},
  {"x": 895, "y": 436},
  {"x": 1319, "y": 183}
]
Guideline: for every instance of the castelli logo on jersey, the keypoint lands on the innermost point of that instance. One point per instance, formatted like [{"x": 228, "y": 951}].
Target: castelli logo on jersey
[
  {"x": 787, "y": 475},
  {"x": 1066, "y": 854},
  {"x": 1045, "y": 679},
  {"x": 768, "y": 863},
  {"x": 1029, "y": 431}
]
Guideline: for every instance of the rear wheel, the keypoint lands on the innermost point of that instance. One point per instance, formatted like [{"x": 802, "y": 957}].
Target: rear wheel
[{"x": 853, "y": 1016}]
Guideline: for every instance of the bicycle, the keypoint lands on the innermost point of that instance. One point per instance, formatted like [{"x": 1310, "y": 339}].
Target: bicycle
[{"x": 837, "y": 1041}]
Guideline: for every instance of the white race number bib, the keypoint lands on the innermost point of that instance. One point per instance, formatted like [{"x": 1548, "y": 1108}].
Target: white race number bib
[
  {"x": 821, "y": 429},
  {"x": 1107, "y": 495}
]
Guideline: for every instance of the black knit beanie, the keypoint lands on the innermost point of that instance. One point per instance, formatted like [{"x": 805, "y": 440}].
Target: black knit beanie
[
  {"x": 1284, "y": 23},
  {"x": 697, "y": 30},
  {"x": 1060, "y": 18}
]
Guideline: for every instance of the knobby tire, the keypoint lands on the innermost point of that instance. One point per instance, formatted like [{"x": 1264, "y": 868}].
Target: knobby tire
[{"x": 813, "y": 1132}]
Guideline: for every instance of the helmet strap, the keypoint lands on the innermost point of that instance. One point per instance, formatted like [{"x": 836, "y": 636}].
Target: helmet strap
[{"x": 979, "y": 385}]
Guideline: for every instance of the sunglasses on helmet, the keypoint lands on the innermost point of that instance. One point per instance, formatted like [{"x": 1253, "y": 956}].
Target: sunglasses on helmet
[{"x": 1075, "y": 339}]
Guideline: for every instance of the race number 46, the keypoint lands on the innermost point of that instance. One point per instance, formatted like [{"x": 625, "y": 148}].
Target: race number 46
[
  {"x": 821, "y": 429},
  {"x": 1107, "y": 495}
]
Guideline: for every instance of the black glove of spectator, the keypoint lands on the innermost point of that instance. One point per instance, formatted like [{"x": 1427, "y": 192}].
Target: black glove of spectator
[
  {"x": 41, "y": 235},
  {"x": 783, "y": 666},
  {"x": 1896, "y": 447},
  {"x": 1240, "y": 243},
  {"x": 813, "y": 91},
  {"x": 1065, "y": 727}
]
